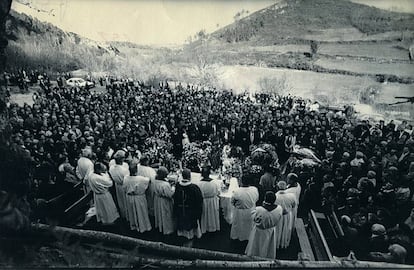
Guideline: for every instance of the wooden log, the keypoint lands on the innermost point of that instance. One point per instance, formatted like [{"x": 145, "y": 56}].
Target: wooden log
[
  {"x": 157, "y": 247},
  {"x": 271, "y": 264}
]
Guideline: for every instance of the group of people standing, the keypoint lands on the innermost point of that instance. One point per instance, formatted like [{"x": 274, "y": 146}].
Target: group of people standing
[
  {"x": 269, "y": 225},
  {"x": 142, "y": 192},
  {"x": 365, "y": 171}
]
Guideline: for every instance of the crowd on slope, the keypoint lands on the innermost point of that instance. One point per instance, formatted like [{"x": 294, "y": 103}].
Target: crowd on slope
[{"x": 365, "y": 174}]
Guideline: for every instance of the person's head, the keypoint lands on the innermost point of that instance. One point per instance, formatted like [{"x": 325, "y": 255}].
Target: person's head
[
  {"x": 205, "y": 172},
  {"x": 269, "y": 198},
  {"x": 133, "y": 168},
  {"x": 246, "y": 180},
  {"x": 87, "y": 153},
  {"x": 345, "y": 221},
  {"x": 162, "y": 173},
  {"x": 119, "y": 157},
  {"x": 186, "y": 174},
  {"x": 281, "y": 185},
  {"x": 99, "y": 168},
  {"x": 398, "y": 252},
  {"x": 378, "y": 230},
  {"x": 144, "y": 161},
  {"x": 292, "y": 178}
]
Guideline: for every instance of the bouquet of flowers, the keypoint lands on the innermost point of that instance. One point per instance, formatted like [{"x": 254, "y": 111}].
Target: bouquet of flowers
[
  {"x": 232, "y": 165},
  {"x": 196, "y": 155},
  {"x": 158, "y": 150},
  {"x": 264, "y": 155}
]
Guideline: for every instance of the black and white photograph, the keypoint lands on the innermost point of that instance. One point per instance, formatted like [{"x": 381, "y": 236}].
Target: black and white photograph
[{"x": 207, "y": 134}]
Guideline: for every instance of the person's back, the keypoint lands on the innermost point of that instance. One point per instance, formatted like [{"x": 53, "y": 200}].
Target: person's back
[
  {"x": 263, "y": 237},
  {"x": 267, "y": 181},
  {"x": 99, "y": 182},
  {"x": 136, "y": 202},
  {"x": 210, "y": 219},
  {"x": 188, "y": 207},
  {"x": 118, "y": 173},
  {"x": 244, "y": 200},
  {"x": 288, "y": 202},
  {"x": 147, "y": 171},
  {"x": 163, "y": 203}
]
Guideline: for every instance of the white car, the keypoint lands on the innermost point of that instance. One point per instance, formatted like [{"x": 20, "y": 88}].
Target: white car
[{"x": 79, "y": 82}]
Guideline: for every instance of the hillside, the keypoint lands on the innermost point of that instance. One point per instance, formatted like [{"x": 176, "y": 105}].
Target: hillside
[
  {"x": 298, "y": 20},
  {"x": 36, "y": 44}
]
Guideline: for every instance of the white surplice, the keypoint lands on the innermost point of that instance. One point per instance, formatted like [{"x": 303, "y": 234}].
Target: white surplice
[{"x": 244, "y": 200}]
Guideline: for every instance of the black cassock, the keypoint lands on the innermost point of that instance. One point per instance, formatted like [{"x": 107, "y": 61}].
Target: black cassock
[{"x": 188, "y": 206}]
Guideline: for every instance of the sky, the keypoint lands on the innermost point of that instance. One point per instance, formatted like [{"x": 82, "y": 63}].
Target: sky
[
  {"x": 153, "y": 22},
  {"x": 142, "y": 21}
]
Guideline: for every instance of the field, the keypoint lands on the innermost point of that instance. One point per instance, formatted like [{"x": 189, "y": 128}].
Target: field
[
  {"x": 364, "y": 67},
  {"x": 387, "y": 51}
]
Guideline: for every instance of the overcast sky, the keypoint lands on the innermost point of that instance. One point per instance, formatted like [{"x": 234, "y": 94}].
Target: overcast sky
[{"x": 153, "y": 21}]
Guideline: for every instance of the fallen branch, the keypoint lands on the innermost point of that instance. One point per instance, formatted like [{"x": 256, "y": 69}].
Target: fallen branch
[
  {"x": 201, "y": 264},
  {"x": 155, "y": 247}
]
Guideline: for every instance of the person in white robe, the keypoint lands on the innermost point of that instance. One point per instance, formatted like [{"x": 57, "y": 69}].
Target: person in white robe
[
  {"x": 287, "y": 201},
  {"x": 210, "y": 218},
  {"x": 294, "y": 188},
  {"x": 145, "y": 170},
  {"x": 263, "y": 237},
  {"x": 117, "y": 172},
  {"x": 99, "y": 182},
  {"x": 163, "y": 202},
  {"x": 84, "y": 168},
  {"x": 136, "y": 201},
  {"x": 244, "y": 200}
]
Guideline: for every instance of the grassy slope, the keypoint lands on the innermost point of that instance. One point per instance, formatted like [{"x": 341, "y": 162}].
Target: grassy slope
[{"x": 292, "y": 19}]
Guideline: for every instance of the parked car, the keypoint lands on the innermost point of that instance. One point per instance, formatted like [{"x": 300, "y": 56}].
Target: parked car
[{"x": 79, "y": 82}]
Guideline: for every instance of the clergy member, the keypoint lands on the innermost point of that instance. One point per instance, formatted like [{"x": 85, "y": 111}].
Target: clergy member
[
  {"x": 210, "y": 218},
  {"x": 163, "y": 202},
  {"x": 136, "y": 201},
  {"x": 263, "y": 237},
  {"x": 99, "y": 182},
  {"x": 244, "y": 200},
  {"x": 188, "y": 206},
  {"x": 288, "y": 202},
  {"x": 117, "y": 172}
]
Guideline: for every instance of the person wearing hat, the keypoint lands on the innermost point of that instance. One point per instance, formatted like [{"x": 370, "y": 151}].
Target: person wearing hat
[
  {"x": 263, "y": 237},
  {"x": 100, "y": 182},
  {"x": 244, "y": 200},
  {"x": 210, "y": 218},
  {"x": 135, "y": 187},
  {"x": 117, "y": 172},
  {"x": 188, "y": 207},
  {"x": 84, "y": 167},
  {"x": 288, "y": 202},
  {"x": 163, "y": 202},
  {"x": 378, "y": 241}
]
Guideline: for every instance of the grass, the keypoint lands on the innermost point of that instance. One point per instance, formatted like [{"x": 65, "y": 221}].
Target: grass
[{"x": 301, "y": 17}]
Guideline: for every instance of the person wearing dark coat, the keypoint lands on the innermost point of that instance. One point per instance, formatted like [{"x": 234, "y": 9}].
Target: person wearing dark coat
[{"x": 188, "y": 207}]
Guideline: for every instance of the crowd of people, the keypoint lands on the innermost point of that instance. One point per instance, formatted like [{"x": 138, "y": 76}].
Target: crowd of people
[{"x": 364, "y": 171}]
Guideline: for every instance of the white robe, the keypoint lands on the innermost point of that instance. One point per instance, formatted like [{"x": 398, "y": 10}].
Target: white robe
[
  {"x": 296, "y": 191},
  {"x": 106, "y": 211},
  {"x": 287, "y": 201},
  {"x": 263, "y": 238},
  {"x": 118, "y": 172},
  {"x": 84, "y": 169},
  {"x": 150, "y": 173},
  {"x": 136, "y": 202},
  {"x": 210, "y": 218},
  {"x": 163, "y": 206},
  {"x": 244, "y": 200}
]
